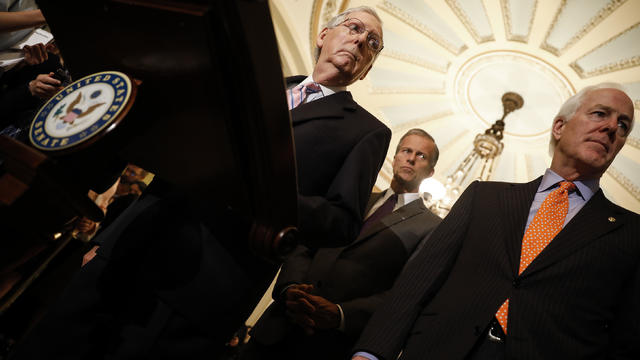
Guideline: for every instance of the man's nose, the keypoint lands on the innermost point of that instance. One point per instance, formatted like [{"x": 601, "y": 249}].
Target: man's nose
[
  {"x": 610, "y": 124},
  {"x": 361, "y": 39}
]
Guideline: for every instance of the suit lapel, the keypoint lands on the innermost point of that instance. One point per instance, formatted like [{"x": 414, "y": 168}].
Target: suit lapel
[
  {"x": 515, "y": 204},
  {"x": 332, "y": 106},
  {"x": 372, "y": 200},
  {"x": 403, "y": 213},
  {"x": 591, "y": 222}
]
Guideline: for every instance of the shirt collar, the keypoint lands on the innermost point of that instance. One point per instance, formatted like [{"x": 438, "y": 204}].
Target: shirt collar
[
  {"x": 586, "y": 188},
  {"x": 326, "y": 90},
  {"x": 403, "y": 199}
]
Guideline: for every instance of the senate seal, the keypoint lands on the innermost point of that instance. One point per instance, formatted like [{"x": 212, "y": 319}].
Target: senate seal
[{"x": 81, "y": 110}]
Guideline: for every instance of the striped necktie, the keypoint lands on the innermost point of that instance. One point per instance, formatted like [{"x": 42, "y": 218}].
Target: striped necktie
[
  {"x": 297, "y": 94},
  {"x": 546, "y": 224}
]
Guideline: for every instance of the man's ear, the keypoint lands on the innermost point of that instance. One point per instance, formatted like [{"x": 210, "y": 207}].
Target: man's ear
[
  {"x": 366, "y": 72},
  {"x": 431, "y": 172},
  {"x": 320, "y": 37},
  {"x": 558, "y": 128}
]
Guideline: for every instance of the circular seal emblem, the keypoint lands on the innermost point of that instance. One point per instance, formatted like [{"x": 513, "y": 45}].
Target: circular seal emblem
[{"x": 81, "y": 110}]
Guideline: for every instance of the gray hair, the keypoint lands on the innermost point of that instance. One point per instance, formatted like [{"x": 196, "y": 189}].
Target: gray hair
[
  {"x": 340, "y": 18},
  {"x": 433, "y": 157},
  {"x": 569, "y": 108}
]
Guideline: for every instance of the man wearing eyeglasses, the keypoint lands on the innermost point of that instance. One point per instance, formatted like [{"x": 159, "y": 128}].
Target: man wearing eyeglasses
[
  {"x": 549, "y": 269},
  {"x": 324, "y": 297},
  {"x": 340, "y": 147}
]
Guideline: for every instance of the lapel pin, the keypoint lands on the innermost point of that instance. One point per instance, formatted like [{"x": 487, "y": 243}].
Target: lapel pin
[{"x": 612, "y": 219}]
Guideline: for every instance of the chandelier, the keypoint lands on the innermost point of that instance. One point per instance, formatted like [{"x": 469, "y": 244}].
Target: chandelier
[{"x": 478, "y": 165}]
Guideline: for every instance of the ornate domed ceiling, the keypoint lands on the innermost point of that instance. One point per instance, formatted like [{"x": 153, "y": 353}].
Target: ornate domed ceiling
[{"x": 446, "y": 64}]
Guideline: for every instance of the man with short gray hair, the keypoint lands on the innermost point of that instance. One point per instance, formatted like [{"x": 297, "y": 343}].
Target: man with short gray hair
[
  {"x": 340, "y": 147},
  {"x": 544, "y": 270}
]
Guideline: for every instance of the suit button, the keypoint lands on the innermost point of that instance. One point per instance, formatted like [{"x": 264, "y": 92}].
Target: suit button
[{"x": 516, "y": 283}]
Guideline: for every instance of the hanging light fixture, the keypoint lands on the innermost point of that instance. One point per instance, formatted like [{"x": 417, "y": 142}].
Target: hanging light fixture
[{"x": 479, "y": 164}]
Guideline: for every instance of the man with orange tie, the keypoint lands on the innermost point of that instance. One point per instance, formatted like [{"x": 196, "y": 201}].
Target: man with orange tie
[{"x": 544, "y": 270}]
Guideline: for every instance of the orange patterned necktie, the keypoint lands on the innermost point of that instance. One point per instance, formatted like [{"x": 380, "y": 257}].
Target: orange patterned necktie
[{"x": 546, "y": 224}]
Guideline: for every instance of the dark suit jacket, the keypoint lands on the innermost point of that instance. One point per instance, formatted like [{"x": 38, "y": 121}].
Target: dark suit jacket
[
  {"x": 579, "y": 299},
  {"x": 340, "y": 148},
  {"x": 356, "y": 276}
]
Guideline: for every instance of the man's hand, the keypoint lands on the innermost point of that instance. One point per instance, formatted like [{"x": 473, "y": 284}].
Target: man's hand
[
  {"x": 309, "y": 311},
  {"x": 298, "y": 308},
  {"x": 326, "y": 314},
  {"x": 44, "y": 86},
  {"x": 85, "y": 225},
  {"x": 35, "y": 54}
]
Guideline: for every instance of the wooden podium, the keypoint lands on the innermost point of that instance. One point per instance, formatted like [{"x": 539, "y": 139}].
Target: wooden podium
[{"x": 209, "y": 119}]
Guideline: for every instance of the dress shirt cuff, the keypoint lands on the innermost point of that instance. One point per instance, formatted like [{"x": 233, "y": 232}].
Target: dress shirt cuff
[
  {"x": 365, "y": 354},
  {"x": 341, "y": 327}
]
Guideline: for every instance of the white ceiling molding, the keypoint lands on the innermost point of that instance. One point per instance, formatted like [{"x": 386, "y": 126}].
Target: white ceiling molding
[
  {"x": 473, "y": 16},
  {"x": 402, "y": 115},
  {"x": 518, "y": 17},
  {"x": 621, "y": 167},
  {"x": 322, "y": 12},
  {"x": 620, "y": 52},
  {"x": 633, "y": 89},
  {"x": 385, "y": 81},
  {"x": 420, "y": 16},
  {"x": 573, "y": 20},
  {"x": 401, "y": 48}
]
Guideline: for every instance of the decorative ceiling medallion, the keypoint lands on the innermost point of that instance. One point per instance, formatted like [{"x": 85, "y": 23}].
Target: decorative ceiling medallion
[
  {"x": 542, "y": 85},
  {"x": 424, "y": 19},
  {"x": 81, "y": 110},
  {"x": 573, "y": 20},
  {"x": 518, "y": 17},
  {"x": 473, "y": 16},
  {"x": 618, "y": 53}
]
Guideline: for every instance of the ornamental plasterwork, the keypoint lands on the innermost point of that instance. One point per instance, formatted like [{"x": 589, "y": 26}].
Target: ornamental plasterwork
[
  {"x": 509, "y": 22},
  {"x": 464, "y": 18},
  {"x": 322, "y": 12},
  {"x": 610, "y": 67},
  {"x": 404, "y": 90},
  {"x": 433, "y": 116},
  {"x": 595, "y": 20},
  {"x": 418, "y": 25},
  {"x": 624, "y": 181},
  {"x": 414, "y": 60}
]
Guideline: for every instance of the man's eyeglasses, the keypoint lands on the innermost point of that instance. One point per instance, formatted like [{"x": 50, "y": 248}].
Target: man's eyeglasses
[{"x": 356, "y": 27}]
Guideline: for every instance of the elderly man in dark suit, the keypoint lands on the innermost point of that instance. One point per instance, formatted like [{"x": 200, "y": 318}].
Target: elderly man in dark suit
[
  {"x": 485, "y": 290},
  {"x": 340, "y": 147},
  {"x": 330, "y": 293}
]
